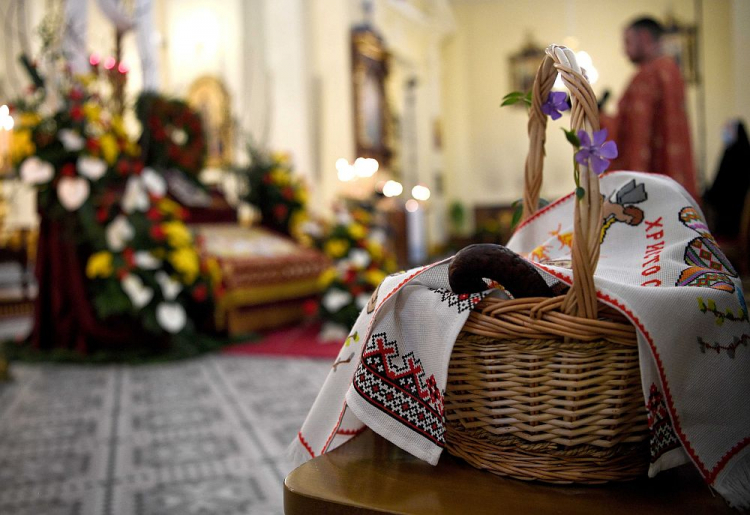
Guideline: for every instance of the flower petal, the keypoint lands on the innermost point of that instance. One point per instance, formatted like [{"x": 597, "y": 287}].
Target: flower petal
[
  {"x": 600, "y": 137},
  {"x": 558, "y": 97},
  {"x": 608, "y": 150},
  {"x": 582, "y": 156},
  {"x": 598, "y": 164},
  {"x": 555, "y": 115},
  {"x": 584, "y": 138}
]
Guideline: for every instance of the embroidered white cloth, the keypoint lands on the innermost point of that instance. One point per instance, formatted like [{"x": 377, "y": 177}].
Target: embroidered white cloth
[{"x": 659, "y": 266}]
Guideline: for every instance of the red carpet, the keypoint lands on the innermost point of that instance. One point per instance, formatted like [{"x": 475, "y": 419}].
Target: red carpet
[{"x": 295, "y": 341}]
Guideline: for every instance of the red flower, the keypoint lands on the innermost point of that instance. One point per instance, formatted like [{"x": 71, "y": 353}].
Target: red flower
[
  {"x": 280, "y": 211},
  {"x": 68, "y": 170},
  {"x": 267, "y": 179},
  {"x": 92, "y": 145},
  {"x": 287, "y": 193},
  {"x": 200, "y": 293},
  {"x": 76, "y": 113},
  {"x": 121, "y": 273},
  {"x": 154, "y": 215},
  {"x": 157, "y": 233},
  {"x": 129, "y": 256},
  {"x": 76, "y": 94},
  {"x": 101, "y": 215},
  {"x": 350, "y": 276},
  {"x": 310, "y": 307},
  {"x": 123, "y": 167}
]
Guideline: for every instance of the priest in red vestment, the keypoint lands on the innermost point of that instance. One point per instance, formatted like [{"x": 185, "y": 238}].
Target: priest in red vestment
[{"x": 651, "y": 127}]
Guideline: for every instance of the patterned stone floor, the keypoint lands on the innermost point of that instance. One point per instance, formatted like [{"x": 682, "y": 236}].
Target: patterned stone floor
[{"x": 205, "y": 436}]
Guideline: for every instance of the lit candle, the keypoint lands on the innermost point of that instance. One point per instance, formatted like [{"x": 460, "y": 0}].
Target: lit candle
[{"x": 6, "y": 126}]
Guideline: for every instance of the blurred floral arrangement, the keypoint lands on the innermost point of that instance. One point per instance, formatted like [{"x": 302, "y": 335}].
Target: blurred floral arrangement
[
  {"x": 275, "y": 190},
  {"x": 172, "y": 134},
  {"x": 356, "y": 246},
  {"x": 91, "y": 178}
]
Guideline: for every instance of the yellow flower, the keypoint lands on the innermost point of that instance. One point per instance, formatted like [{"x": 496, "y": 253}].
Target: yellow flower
[
  {"x": 92, "y": 111},
  {"x": 169, "y": 207},
  {"x": 375, "y": 277},
  {"x": 327, "y": 277},
  {"x": 357, "y": 231},
  {"x": 281, "y": 158},
  {"x": 185, "y": 261},
  {"x": 132, "y": 148},
  {"x": 110, "y": 150},
  {"x": 375, "y": 249},
  {"x": 29, "y": 120},
  {"x": 99, "y": 265},
  {"x": 177, "y": 233},
  {"x": 214, "y": 271},
  {"x": 21, "y": 145},
  {"x": 302, "y": 195},
  {"x": 118, "y": 126},
  {"x": 85, "y": 78},
  {"x": 280, "y": 176},
  {"x": 336, "y": 248}
]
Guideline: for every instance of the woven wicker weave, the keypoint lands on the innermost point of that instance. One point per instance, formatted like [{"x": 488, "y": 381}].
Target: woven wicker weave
[{"x": 550, "y": 389}]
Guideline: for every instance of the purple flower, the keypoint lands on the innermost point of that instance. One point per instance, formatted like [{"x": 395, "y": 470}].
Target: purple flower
[
  {"x": 596, "y": 154},
  {"x": 557, "y": 101}
]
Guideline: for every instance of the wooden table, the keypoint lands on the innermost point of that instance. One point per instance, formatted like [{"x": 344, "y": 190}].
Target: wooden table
[{"x": 369, "y": 475}]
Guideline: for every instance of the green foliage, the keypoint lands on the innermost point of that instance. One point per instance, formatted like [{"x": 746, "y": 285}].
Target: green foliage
[
  {"x": 515, "y": 97},
  {"x": 275, "y": 190}
]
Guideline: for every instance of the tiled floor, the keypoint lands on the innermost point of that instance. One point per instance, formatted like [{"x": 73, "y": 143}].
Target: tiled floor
[{"x": 205, "y": 436}]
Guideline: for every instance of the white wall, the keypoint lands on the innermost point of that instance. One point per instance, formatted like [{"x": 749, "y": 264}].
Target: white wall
[{"x": 485, "y": 146}]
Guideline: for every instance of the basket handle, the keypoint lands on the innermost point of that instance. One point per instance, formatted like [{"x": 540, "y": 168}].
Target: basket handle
[{"x": 581, "y": 297}]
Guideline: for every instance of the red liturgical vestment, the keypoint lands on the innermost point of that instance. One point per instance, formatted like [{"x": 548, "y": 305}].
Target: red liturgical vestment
[{"x": 651, "y": 128}]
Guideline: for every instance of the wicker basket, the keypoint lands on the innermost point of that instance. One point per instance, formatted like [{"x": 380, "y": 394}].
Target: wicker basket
[{"x": 550, "y": 388}]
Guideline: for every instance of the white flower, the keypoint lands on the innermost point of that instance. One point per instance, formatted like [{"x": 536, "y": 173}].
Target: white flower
[
  {"x": 71, "y": 140},
  {"x": 118, "y": 233},
  {"x": 135, "y": 197},
  {"x": 179, "y": 136},
  {"x": 146, "y": 260},
  {"x": 362, "y": 300},
  {"x": 169, "y": 287},
  {"x": 312, "y": 228},
  {"x": 171, "y": 316},
  {"x": 91, "y": 167},
  {"x": 72, "y": 192},
  {"x": 35, "y": 171},
  {"x": 378, "y": 235},
  {"x": 139, "y": 294},
  {"x": 344, "y": 218},
  {"x": 334, "y": 300},
  {"x": 360, "y": 258},
  {"x": 154, "y": 182}
]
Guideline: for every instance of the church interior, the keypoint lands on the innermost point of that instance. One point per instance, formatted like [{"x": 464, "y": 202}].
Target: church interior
[{"x": 214, "y": 216}]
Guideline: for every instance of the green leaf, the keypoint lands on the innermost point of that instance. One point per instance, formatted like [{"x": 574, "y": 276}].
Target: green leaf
[
  {"x": 527, "y": 98},
  {"x": 711, "y": 305},
  {"x": 701, "y": 305},
  {"x": 572, "y": 138},
  {"x": 580, "y": 193},
  {"x": 513, "y": 98},
  {"x": 517, "y": 213}
]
